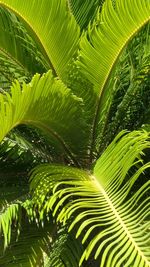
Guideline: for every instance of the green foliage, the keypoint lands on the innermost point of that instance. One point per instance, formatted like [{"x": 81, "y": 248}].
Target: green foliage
[
  {"x": 98, "y": 58},
  {"x": 58, "y": 48},
  {"x": 19, "y": 55},
  {"x": 102, "y": 204},
  {"x": 65, "y": 251},
  {"x": 28, "y": 249},
  {"x": 74, "y": 184},
  {"x": 130, "y": 107},
  {"x": 30, "y": 106}
]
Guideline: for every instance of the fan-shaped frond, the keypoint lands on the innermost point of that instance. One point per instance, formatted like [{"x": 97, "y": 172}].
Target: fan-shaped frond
[
  {"x": 47, "y": 104},
  {"x": 55, "y": 28},
  {"x": 102, "y": 47},
  {"x": 111, "y": 218}
]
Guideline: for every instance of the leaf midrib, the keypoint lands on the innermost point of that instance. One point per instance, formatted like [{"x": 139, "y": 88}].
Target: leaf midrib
[
  {"x": 97, "y": 109},
  {"x": 35, "y": 33},
  {"x": 117, "y": 215}
]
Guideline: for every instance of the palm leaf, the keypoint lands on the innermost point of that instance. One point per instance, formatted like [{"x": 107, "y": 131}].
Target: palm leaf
[
  {"x": 54, "y": 27},
  {"x": 101, "y": 48},
  {"x": 110, "y": 216},
  {"x": 47, "y": 104},
  {"x": 130, "y": 106}
]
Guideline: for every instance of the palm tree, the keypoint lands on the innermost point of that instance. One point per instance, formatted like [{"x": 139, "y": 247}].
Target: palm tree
[{"x": 74, "y": 186}]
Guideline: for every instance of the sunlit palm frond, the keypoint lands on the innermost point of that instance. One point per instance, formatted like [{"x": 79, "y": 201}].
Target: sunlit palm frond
[
  {"x": 54, "y": 27},
  {"x": 109, "y": 214},
  {"x": 130, "y": 107},
  {"x": 14, "y": 189},
  {"x": 47, "y": 104},
  {"x": 109, "y": 36},
  {"x": 101, "y": 48}
]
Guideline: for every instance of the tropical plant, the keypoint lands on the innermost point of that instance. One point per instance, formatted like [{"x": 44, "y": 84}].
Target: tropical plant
[{"x": 74, "y": 182}]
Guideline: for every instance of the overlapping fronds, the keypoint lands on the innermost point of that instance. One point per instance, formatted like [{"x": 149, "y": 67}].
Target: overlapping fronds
[
  {"x": 47, "y": 104},
  {"x": 16, "y": 150},
  {"x": 10, "y": 71},
  {"x": 130, "y": 106},
  {"x": 114, "y": 29},
  {"x": 102, "y": 46},
  {"x": 14, "y": 190},
  {"x": 133, "y": 109},
  {"x": 111, "y": 217},
  {"x": 84, "y": 11},
  {"x": 107, "y": 208},
  {"x": 54, "y": 27}
]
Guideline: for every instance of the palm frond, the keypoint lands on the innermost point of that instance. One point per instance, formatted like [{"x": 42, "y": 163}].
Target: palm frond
[
  {"x": 130, "y": 107},
  {"x": 53, "y": 17},
  {"x": 111, "y": 217},
  {"x": 46, "y": 104},
  {"x": 101, "y": 48}
]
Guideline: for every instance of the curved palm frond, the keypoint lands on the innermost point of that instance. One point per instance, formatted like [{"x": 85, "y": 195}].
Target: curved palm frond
[
  {"x": 52, "y": 17},
  {"x": 18, "y": 52},
  {"x": 110, "y": 217},
  {"x": 130, "y": 106},
  {"x": 101, "y": 48},
  {"x": 46, "y": 104}
]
